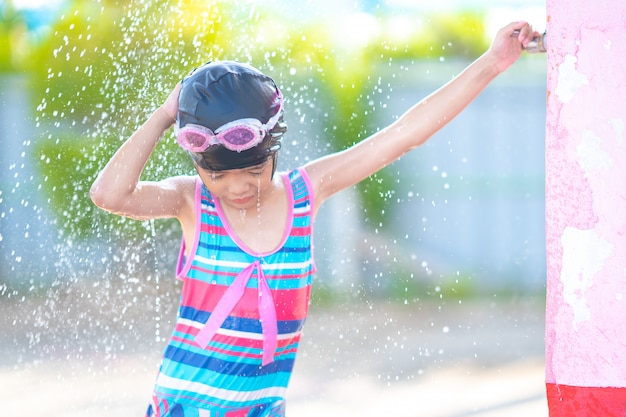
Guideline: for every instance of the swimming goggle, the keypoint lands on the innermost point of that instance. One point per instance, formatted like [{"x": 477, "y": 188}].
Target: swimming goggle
[{"x": 238, "y": 135}]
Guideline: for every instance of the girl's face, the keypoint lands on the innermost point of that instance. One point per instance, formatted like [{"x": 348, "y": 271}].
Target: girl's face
[{"x": 239, "y": 188}]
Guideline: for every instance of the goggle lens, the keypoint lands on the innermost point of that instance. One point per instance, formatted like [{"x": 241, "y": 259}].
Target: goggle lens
[
  {"x": 195, "y": 140},
  {"x": 241, "y": 136}
]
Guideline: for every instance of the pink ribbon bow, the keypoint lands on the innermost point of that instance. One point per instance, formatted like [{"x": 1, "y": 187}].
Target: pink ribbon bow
[{"x": 229, "y": 300}]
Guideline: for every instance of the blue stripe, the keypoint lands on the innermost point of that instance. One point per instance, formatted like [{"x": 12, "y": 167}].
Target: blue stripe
[
  {"x": 222, "y": 248},
  {"x": 197, "y": 400},
  {"x": 302, "y": 204},
  {"x": 225, "y": 367},
  {"x": 187, "y": 343},
  {"x": 301, "y": 279},
  {"x": 239, "y": 323},
  {"x": 276, "y": 284}
]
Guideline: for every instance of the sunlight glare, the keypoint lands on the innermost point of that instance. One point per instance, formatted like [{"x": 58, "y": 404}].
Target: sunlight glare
[{"x": 37, "y": 4}]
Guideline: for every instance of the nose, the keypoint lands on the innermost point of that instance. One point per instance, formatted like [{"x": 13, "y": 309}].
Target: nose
[{"x": 238, "y": 186}]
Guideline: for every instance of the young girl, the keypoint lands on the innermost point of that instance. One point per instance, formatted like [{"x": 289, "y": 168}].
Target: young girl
[{"x": 246, "y": 257}]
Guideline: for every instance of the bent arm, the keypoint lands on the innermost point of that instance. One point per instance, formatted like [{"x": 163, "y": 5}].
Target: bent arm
[
  {"x": 118, "y": 188},
  {"x": 338, "y": 171}
]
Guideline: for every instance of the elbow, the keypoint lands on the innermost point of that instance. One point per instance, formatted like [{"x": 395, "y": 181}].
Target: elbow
[
  {"x": 97, "y": 195},
  {"x": 102, "y": 198}
]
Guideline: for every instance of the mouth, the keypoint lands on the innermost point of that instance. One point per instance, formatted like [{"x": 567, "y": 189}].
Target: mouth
[{"x": 242, "y": 200}]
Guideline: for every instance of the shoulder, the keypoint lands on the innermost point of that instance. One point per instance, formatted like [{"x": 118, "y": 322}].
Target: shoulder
[
  {"x": 185, "y": 189},
  {"x": 182, "y": 185},
  {"x": 300, "y": 182},
  {"x": 182, "y": 182},
  {"x": 182, "y": 188}
]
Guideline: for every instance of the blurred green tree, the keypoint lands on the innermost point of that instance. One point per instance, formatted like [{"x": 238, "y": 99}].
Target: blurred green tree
[
  {"x": 106, "y": 65},
  {"x": 13, "y": 37}
]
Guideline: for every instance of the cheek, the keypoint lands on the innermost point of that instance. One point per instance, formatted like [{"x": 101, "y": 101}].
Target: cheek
[
  {"x": 214, "y": 186},
  {"x": 264, "y": 181},
  {"x": 256, "y": 184}
]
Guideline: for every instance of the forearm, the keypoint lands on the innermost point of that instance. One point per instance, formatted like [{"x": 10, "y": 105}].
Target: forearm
[
  {"x": 424, "y": 119},
  {"x": 411, "y": 130},
  {"x": 119, "y": 178}
]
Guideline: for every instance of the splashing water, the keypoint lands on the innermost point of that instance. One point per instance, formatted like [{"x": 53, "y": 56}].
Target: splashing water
[
  {"x": 242, "y": 215},
  {"x": 101, "y": 287}
]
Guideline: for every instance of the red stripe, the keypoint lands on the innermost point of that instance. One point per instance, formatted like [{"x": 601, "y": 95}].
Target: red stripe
[
  {"x": 245, "y": 343},
  {"x": 300, "y": 231},
  {"x": 298, "y": 200},
  {"x": 253, "y": 343},
  {"x": 573, "y": 401},
  {"x": 210, "y": 272},
  {"x": 184, "y": 329},
  {"x": 213, "y": 229},
  {"x": 290, "y": 304},
  {"x": 238, "y": 413},
  {"x": 301, "y": 214},
  {"x": 230, "y": 340},
  {"x": 202, "y": 296}
]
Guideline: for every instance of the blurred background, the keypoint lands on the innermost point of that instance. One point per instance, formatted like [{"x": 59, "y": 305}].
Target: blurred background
[{"x": 436, "y": 262}]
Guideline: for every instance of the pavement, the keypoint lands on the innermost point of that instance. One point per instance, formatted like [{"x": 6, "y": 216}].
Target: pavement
[{"x": 472, "y": 359}]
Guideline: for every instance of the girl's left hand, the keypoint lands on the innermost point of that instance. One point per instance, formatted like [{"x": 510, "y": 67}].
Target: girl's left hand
[{"x": 509, "y": 42}]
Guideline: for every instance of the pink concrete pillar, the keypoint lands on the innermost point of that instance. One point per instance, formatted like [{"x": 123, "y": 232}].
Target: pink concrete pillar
[{"x": 586, "y": 208}]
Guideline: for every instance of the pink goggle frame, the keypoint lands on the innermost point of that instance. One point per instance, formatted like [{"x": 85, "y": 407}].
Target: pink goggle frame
[{"x": 238, "y": 135}]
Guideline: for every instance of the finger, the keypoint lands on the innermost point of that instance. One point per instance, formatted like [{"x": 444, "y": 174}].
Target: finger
[
  {"x": 517, "y": 27},
  {"x": 524, "y": 35}
]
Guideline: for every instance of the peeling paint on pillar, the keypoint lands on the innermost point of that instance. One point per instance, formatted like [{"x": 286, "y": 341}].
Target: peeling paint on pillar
[{"x": 586, "y": 208}]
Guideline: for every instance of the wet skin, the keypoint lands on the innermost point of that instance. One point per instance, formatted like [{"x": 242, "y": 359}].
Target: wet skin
[{"x": 250, "y": 197}]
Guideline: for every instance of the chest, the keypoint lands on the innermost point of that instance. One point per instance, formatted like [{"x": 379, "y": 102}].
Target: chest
[{"x": 258, "y": 230}]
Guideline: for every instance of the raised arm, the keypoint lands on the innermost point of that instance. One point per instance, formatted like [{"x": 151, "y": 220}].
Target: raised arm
[
  {"x": 118, "y": 188},
  {"x": 340, "y": 170}
]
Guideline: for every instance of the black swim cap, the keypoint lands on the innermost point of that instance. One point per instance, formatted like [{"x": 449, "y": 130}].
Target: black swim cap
[{"x": 221, "y": 92}]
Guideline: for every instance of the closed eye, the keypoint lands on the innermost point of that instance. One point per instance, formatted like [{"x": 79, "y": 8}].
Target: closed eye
[{"x": 257, "y": 170}]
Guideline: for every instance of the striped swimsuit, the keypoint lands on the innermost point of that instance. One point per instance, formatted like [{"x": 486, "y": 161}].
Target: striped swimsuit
[{"x": 239, "y": 323}]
